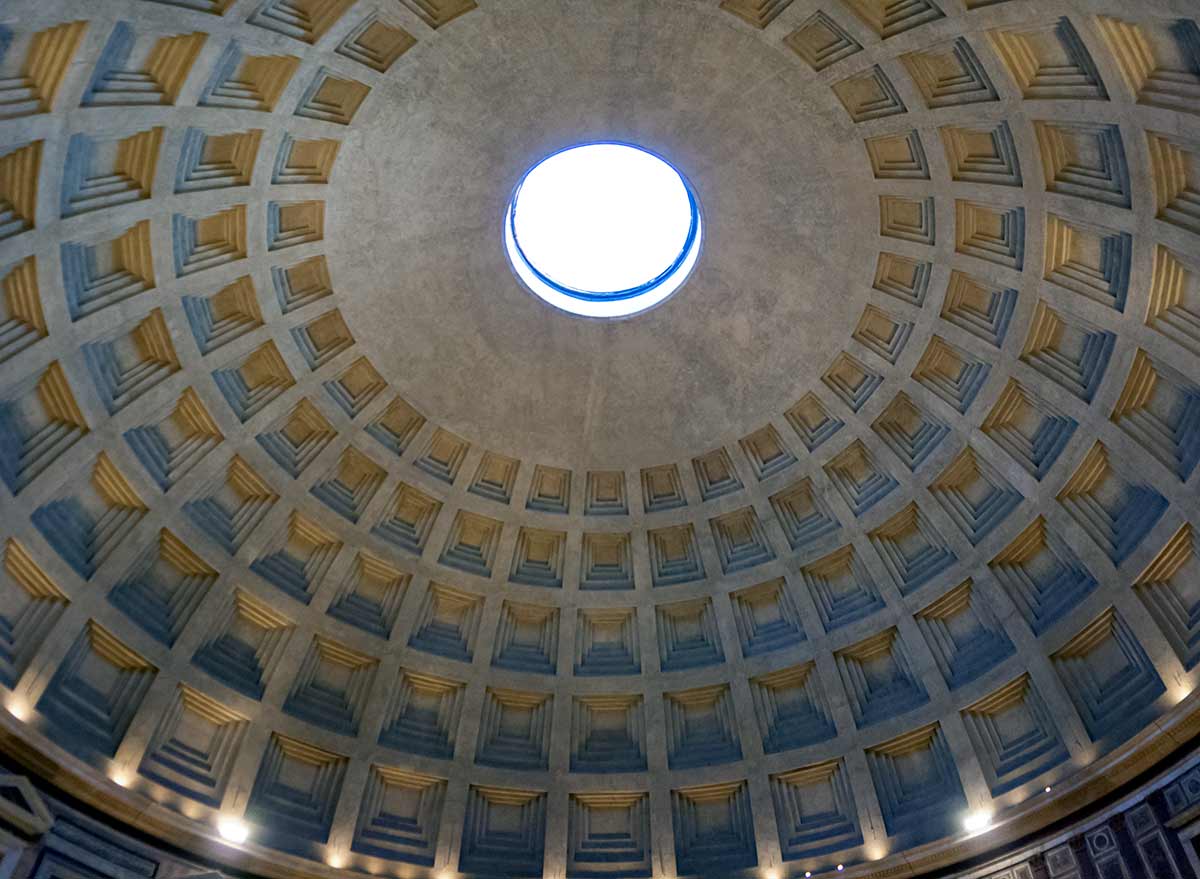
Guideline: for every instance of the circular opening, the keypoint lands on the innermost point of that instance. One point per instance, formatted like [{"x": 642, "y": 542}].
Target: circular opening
[{"x": 603, "y": 229}]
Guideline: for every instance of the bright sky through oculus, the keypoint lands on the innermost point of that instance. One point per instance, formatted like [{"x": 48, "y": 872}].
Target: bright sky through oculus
[{"x": 603, "y": 230}]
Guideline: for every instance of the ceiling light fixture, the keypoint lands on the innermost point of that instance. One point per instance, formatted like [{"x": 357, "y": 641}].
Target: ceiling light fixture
[
  {"x": 977, "y": 821},
  {"x": 233, "y": 829}
]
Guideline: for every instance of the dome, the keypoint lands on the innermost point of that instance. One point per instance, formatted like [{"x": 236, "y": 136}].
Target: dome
[{"x": 867, "y": 548}]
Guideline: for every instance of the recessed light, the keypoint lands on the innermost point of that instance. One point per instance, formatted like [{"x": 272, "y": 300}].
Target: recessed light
[
  {"x": 233, "y": 829},
  {"x": 977, "y": 822}
]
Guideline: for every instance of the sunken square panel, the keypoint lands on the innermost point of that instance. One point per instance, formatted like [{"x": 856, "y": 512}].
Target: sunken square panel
[
  {"x": 175, "y": 440},
  {"x": 332, "y": 686},
  {"x": 94, "y": 693},
  {"x": 714, "y": 828},
  {"x": 609, "y": 834},
  {"x": 1116, "y": 511},
  {"x": 297, "y": 557},
  {"x": 295, "y": 793},
  {"x": 821, "y": 41},
  {"x": 1014, "y": 736},
  {"x": 606, "y": 562},
  {"x": 674, "y": 555},
  {"x": 791, "y": 708},
  {"x": 443, "y": 455},
  {"x": 859, "y": 478},
  {"x": 902, "y": 277},
  {"x": 355, "y": 387},
  {"x": 1170, "y": 590},
  {"x": 767, "y": 453},
  {"x": 963, "y": 635},
  {"x": 702, "y": 729},
  {"x": 301, "y": 283},
  {"x": 538, "y": 558},
  {"x": 1028, "y": 428},
  {"x": 812, "y": 421},
  {"x": 527, "y": 638},
  {"x": 514, "y": 732},
  {"x": 422, "y": 717},
  {"x": 396, "y": 426},
  {"x": 350, "y": 485},
  {"x": 815, "y": 812},
  {"x": 376, "y": 43},
  {"x": 911, "y": 549},
  {"x": 230, "y": 506},
  {"x": 662, "y": 488},
  {"x": 550, "y": 490},
  {"x": 841, "y": 587},
  {"x": 369, "y": 595},
  {"x": 504, "y": 830},
  {"x": 163, "y": 587},
  {"x": 32, "y": 606},
  {"x": 494, "y": 477},
  {"x": 608, "y": 734},
  {"x": 715, "y": 474},
  {"x": 851, "y": 380},
  {"x": 1160, "y": 408},
  {"x": 909, "y": 430},
  {"x": 803, "y": 514},
  {"x": 194, "y": 746},
  {"x": 687, "y": 635},
  {"x": 869, "y": 95},
  {"x": 244, "y": 644},
  {"x": 1042, "y": 575},
  {"x": 918, "y": 786},
  {"x": 607, "y": 642},
  {"x": 295, "y": 439},
  {"x": 407, "y": 519},
  {"x": 879, "y": 679},
  {"x": 974, "y": 494},
  {"x": 447, "y": 623},
  {"x": 1109, "y": 678},
  {"x": 1048, "y": 61},
  {"x": 400, "y": 816},
  {"x": 90, "y": 516},
  {"x": 605, "y": 494},
  {"x": 741, "y": 540},
  {"x": 949, "y": 74},
  {"x": 767, "y": 617}
]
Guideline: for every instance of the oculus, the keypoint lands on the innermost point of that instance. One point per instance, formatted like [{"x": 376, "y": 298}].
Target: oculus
[{"x": 603, "y": 230}]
